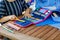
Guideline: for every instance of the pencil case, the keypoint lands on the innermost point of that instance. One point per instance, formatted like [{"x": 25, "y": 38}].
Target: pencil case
[
  {"x": 41, "y": 14},
  {"x": 26, "y": 23},
  {"x": 33, "y": 20}
]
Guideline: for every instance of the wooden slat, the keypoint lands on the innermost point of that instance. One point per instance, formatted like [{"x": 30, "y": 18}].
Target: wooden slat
[
  {"x": 39, "y": 31},
  {"x": 22, "y": 29},
  {"x": 34, "y": 30},
  {"x": 28, "y": 29},
  {"x": 44, "y": 32},
  {"x": 54, "y": 35},
  {"x": 16, "y": 36},
  {"x": 57, "y": 38},
  {"x": 49, "y": 34}
]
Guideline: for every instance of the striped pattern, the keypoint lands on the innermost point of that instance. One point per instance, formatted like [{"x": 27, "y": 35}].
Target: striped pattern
[
  {"x": 12, "y": 8},
  {"x": 43, "y": 33},
  {"x": 2, "y": 9}
]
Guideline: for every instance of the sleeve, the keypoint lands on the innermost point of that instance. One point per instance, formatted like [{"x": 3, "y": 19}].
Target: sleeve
[
  {"x": 2, "y": 9},
  {"x": 32, "y": 4},
  {"x": 32, "y": 7},
  {"x": 24, "y": 5}
]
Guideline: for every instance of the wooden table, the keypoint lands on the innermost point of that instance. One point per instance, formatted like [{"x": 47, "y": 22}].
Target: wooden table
[{"x": 33, "y": 33}]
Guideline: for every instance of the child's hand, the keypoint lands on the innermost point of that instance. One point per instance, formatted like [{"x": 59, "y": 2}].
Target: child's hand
[
  {"x": 11, "y": 17},
  {"x": 27, "y": 13}
]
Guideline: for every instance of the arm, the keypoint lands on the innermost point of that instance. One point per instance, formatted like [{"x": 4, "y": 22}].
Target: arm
[
  {"x": 28, "y": 10},
  {"x": 24, "y": 5},
  {"x": 6, "y": 18},
  {"x": 27, "y": 13},
  {"x": 3, "y": 11}
]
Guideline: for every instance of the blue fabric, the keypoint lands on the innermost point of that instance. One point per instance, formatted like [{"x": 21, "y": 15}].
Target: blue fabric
[
  {"x": 30, "y": 2},
  {"x": 57, "y": 19},
  {"x": 56, "y": 25},
  {"x": 50, "y": 22},
  {"x": 1, "y": 15},
  {"x": 48, "y": 3},
  {"x": 47, "y": 21}
]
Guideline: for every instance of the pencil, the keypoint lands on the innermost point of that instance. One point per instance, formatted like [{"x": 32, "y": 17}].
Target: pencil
[
  {"x": 7, "y": 29},
  {"x": 19, "y": 20}
]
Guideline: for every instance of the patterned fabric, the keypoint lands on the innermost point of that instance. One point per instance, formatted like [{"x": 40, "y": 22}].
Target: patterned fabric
[{"x": 12, "y": 8}]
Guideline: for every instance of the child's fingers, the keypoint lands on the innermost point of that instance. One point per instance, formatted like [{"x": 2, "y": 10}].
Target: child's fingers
[
  {"x": 27, "y": 16},
  {"x": 13, "y": 17}
]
